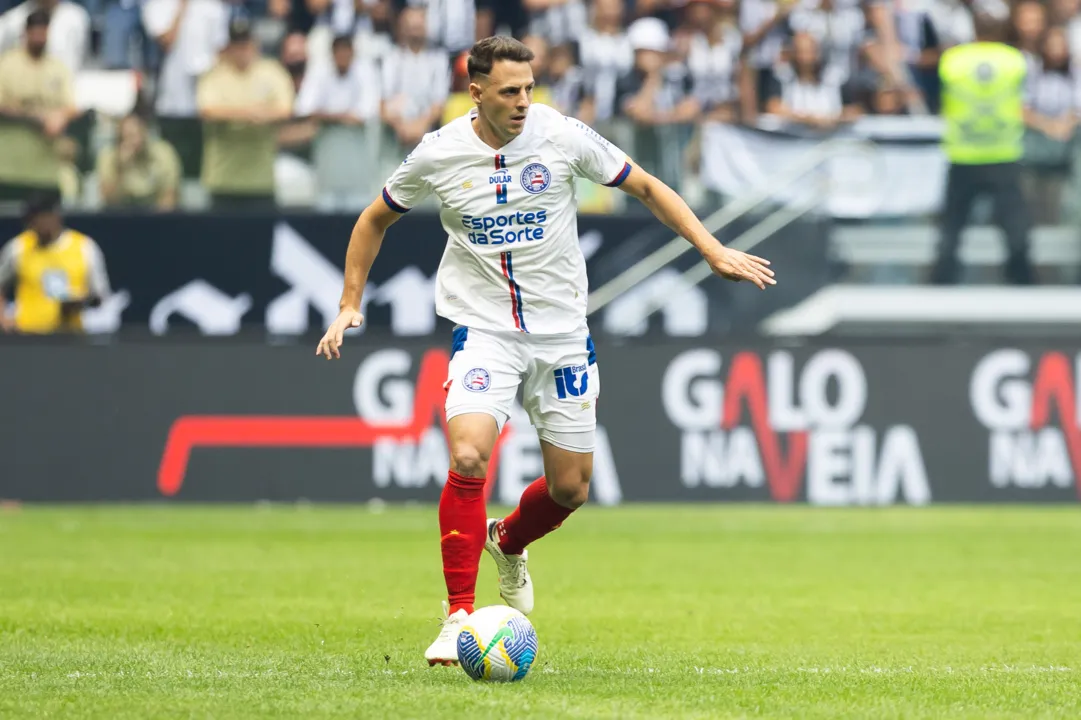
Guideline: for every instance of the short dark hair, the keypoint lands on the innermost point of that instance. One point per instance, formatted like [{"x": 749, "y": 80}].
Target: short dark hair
[
  {"x": 40, "y": 202},
  {"x": 342, "y": 41},
  {"x": 487, "y": 52},
  {"x": 990, "y": 28},
  {"x": 240, "y": 30},
  {"x": 38, "y": 18}
]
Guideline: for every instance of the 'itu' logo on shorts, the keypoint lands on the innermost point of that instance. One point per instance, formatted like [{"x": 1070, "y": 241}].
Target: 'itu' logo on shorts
[{"x": 571, "y": 381}]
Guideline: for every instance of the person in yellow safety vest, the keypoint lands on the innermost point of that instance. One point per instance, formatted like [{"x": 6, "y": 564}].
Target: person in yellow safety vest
[
  {"x": 983, "y": 109},
  {"x": 55, "y": 273}
]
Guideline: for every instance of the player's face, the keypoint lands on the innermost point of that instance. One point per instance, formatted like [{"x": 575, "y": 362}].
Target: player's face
[
  {"x": 36, "y": 38},
  {"x": 46, "y": 225},
  {"x": 504, "y": 96}
]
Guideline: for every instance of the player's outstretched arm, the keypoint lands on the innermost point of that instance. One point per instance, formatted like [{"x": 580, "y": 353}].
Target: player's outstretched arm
[
  {"x": 670, "y": 209},
  {"x": 364, "y": 245}
]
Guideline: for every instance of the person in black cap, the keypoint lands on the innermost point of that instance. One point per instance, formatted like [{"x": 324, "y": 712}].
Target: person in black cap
[
  {"x": 242, "y": 100},
  {"x": 36, "y": 104},
  {"x": 55, "y": 272}
]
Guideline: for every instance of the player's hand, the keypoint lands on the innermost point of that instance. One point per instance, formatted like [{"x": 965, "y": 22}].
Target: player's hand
[
  {"x": 7, "y": 323},
  {"x": 735, "y": 265},
  {"x": 52, "y": 123},
  {"x": 332, "y": 340}
]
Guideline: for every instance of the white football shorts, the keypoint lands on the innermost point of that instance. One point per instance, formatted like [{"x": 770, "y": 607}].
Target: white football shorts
[{"x": 557, "y": 374}]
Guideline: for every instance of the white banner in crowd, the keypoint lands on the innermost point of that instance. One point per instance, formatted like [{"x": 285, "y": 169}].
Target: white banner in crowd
[{"x": 898, "y": 169}]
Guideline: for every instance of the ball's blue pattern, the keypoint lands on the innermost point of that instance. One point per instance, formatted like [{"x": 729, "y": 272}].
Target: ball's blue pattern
[
  {"x": 470, "y": 655},
  {"x": 515, "y": 641},
  {"x": 522, "y": 646}
]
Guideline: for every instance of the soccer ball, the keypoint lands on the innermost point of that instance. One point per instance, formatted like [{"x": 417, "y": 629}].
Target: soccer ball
[{"x": 497, "y": 644}]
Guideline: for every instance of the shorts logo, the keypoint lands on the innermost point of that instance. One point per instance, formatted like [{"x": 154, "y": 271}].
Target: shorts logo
[
  {"x": 571, "y": 381},
  {"x": 536, "y": 178},
  {"x": 477, "y": 380}
]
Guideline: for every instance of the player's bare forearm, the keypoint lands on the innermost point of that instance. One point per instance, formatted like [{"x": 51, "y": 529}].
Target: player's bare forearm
[
  {"x": 364, "y": 244},
  {"x": 668, "y": 207}
]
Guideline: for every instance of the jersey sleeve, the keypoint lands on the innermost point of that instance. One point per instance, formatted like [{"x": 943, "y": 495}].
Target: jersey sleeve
[
  {"x": 410, "y": 183},
  {"x": 593, "y": 157},
  {"x": 7, "y": 266},
  {"x": 98, "y": 275}
]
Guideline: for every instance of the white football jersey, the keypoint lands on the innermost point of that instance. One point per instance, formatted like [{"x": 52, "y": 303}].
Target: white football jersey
[{"x": 512, "y": 260}]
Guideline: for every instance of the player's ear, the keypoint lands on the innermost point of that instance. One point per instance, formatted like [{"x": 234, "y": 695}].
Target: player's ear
[{"x": 476, "y": 87}]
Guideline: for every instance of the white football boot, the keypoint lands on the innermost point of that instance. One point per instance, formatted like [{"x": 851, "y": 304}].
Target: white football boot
[
  {"x": 515, "y": 587},
  {"x": 444, "y": 651}
]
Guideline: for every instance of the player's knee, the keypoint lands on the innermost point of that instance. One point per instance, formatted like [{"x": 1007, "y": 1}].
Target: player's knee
[
  {"x": 572, "y": 492},
  {"x": 468, "y": 460}
]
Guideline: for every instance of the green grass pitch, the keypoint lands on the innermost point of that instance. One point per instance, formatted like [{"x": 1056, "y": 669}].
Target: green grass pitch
[{"x": 650, "y": 611}]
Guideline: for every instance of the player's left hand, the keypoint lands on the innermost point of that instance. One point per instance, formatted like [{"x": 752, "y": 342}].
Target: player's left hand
[
  {"x": 735, "y": 265},
  {"x": 329, "y": 346}
]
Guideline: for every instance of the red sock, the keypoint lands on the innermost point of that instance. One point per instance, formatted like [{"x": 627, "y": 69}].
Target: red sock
[
  {"x": 537, "y": 515},
  {"x": 463, "y": 525}
]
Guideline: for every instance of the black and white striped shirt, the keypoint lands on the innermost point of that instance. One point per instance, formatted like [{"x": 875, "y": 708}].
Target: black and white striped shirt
[
  {"x": 605, "y": 59},
  {"x": 562, "y": 23},
  {"x": 713, "y": 68},
  {"x": 822, "y": 99},
  {"x": 1052, "y": 93},
  {"x": 568, "y": 91},
  {"x": 840, "y": 32}
]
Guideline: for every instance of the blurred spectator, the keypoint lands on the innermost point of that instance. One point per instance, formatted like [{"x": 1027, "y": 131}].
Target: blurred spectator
[
  {"x": 294, "y": 57},
  {"x": 557, "y": 21},
  {"x": 666, "y": 10},
  {"x": 983, "y": 109},
  {"x": 714, "y": 57},
  {"x": 1051, "y": 114},
  {"x": 69, "y": 30},
  {"x": 501, "y": 17},
  {"x": 295, "y": 136},
  {"x": 346, "y": 93},
  {"x": 606, "y": 56},
  {"x": 1029, "y": 25},
  {"x": 122, "y": 33},
  {"x": 567, "y": 81},
  {"x": 889, "y": 98},
  {"x": 55, "y": 273},
  {"x": 36, "y": 105},
  {"x": 190, "y": 33},
  {"x": 808, "y": 90},
  {"x": 658, "y": 96},
  {"x": 542, "y": 90},
  {"x": 241, "y": 101},
  {"x": 302, "y": 16},
  {"x": 763, "y": 24},
  {"x": 138, "y": 171},
  {"x": 921, "y": 48},
  {"x": 1067, "y": 14},
  {"x": 415, "y": 81},
  {"x": 342, "y": 98},
  {"x": 320, "y": 21},
  {"x": 839, "y": 28},
  {"x": 656, "y": 91},
  {"x": 450, "y": 24}
]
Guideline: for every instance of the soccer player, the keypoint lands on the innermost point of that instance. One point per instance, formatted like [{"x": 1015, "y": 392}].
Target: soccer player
[{"x": 513, "y": 280}]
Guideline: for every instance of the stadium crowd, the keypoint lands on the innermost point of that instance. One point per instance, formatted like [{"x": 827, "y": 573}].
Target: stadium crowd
[{"x": 252, "y": 103}]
